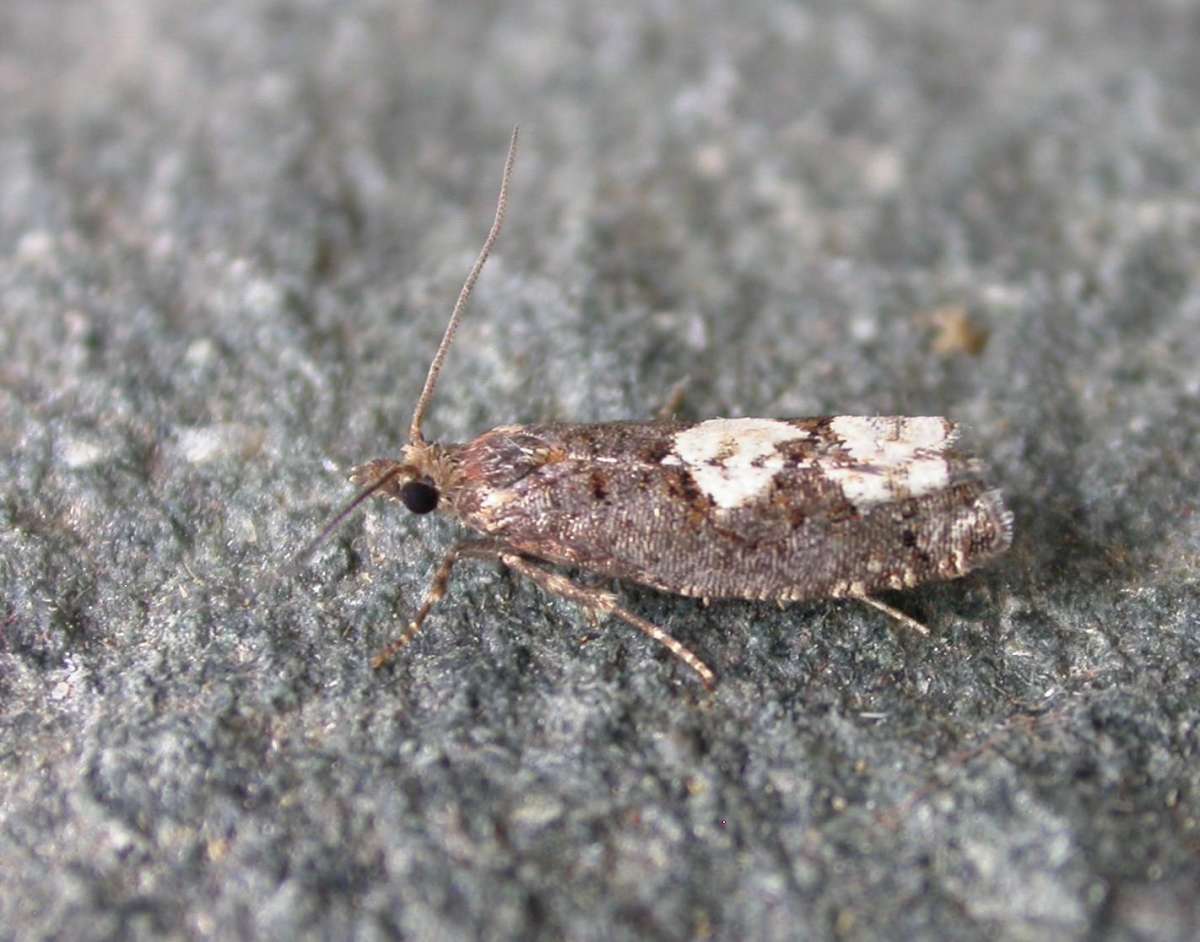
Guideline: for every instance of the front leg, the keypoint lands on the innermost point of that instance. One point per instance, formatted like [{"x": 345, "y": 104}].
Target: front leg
[
  {"x": 469, "y": 549},
  {"x": 595, "y": 602}
]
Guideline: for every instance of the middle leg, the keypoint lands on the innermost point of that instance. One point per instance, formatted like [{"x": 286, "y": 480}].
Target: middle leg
[{"x": 599, "y": 603}]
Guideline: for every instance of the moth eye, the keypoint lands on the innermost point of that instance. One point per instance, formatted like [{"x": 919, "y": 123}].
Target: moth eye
[{"x": 419, "y": 497}]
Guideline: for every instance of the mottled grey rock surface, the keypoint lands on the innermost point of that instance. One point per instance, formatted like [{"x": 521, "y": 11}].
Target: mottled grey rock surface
[{"x": 230, "y": 233}]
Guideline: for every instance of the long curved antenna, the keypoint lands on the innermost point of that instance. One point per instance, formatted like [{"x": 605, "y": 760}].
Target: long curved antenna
[
  {"x": 301, "y": 558},
  {"x": 435, "y": 367}
]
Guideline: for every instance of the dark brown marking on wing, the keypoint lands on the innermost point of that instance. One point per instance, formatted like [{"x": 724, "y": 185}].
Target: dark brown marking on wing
[
  {"x": 655, "y": 451},
  {"x": 600, "y": 485}
]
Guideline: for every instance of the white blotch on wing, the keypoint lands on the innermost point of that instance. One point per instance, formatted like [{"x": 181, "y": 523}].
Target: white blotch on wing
[
  {"x": 896, "y": 457},
  {"x": 733, "y": 460}
]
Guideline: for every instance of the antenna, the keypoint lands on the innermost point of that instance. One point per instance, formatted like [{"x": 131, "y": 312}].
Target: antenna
[
  {"x": 300, "y": 559},
  {"x": 435, "y": 367}
]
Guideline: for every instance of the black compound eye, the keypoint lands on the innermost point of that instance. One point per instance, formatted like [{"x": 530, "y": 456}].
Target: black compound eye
[{"x": 419, "y": 497}]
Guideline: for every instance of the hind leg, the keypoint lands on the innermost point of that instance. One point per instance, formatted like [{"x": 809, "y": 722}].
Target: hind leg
[{"x": 906, "y": 620}]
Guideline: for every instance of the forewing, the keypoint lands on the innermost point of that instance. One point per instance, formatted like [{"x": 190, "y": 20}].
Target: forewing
[{"x": 749, "y": 508}]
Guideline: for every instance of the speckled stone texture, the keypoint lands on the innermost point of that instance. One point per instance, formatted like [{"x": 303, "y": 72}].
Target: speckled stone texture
[{"x": 230, "y": 233}]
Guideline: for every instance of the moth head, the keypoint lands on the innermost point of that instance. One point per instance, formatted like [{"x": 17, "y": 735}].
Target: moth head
[
  {"x": 407, "y": 483},
  {"x": 426, "y": 471},
  {"x": 420, "y": 497},
  {"x": 417, "y": 481}
]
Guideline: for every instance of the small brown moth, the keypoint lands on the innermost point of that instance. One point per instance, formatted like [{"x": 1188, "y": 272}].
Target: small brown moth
[{"x": 764, "y": 509}]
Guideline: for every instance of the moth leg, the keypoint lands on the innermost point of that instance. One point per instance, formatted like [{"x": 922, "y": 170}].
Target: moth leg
[
  {"x": 600, "y": 603},
  {"x": 906, "y": 620},
  {"x": 674, "y": 400},
  {"x": 471, "y": 549}
]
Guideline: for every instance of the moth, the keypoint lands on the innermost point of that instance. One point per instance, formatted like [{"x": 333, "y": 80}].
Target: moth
[{"x": 740, "y": 508}]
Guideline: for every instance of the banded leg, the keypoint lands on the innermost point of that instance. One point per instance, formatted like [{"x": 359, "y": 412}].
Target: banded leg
[
  {"x": 595, "y": 602},
  {"x": 471, "y": 549},
  {"x": 599, "y": 603},
  {"x": 906, "y": 620}
]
